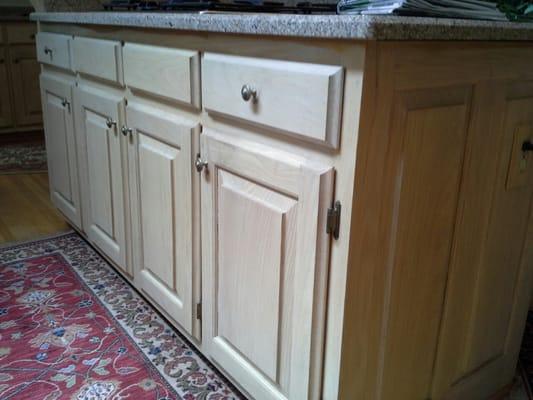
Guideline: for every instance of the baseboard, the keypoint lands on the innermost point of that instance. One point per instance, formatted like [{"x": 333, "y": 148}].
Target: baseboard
[{"x": 22, "y": 137}]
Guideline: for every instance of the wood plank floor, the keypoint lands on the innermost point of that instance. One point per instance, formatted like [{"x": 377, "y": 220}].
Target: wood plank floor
[{"x": 25, "y": 209}]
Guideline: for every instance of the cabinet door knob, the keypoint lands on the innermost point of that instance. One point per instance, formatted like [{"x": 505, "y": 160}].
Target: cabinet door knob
[
  {"x": 199, "y": 163},
  {"x": 125, "y": 130},
  {"x": 248, "y": 92},
  {"x": 65, "y": 103},
  {"x": 527, "y": 146},
  {"x": 110, "y": 123},
  {"x": 48, "y": 50}
]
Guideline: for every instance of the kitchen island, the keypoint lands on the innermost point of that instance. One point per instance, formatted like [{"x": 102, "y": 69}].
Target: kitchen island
[{"x": 328, "y": 207}]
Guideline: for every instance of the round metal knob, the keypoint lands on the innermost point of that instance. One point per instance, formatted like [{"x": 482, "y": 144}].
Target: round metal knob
[
  {"x": 110, "y": 122},
  {"x": 199, "y": 163},
  {"x": 125, "y": 130},
  {"x": 64, "y": 102},
  {"x": 248, "y": 92},
  {"x": 47, "y": 50},
  {"x": 527, "y": 146}
]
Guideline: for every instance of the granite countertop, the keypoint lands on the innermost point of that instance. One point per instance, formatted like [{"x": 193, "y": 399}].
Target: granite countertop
[{"x": 316, "y": 26}]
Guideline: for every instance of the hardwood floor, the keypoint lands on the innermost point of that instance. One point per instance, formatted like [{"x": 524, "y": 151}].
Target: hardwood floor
[{"x": 25, "y": 209}]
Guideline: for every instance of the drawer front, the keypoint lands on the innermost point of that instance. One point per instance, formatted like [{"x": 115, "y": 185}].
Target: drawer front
[
  {"x": 54, "y": 49},
  {"x": 295, "y": 98},
  {"x": 108, "y": 53},
  {"x": 21, "y": 33},
  {"x": 165, "y": 72}
]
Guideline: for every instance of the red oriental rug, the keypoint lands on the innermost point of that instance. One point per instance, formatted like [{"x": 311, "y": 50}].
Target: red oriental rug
[{"x": 72, "y": 328}]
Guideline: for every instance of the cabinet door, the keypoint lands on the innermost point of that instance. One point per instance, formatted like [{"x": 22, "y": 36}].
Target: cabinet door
[
  {"x": 98, "y": 118},
  {"x": 61, "y": 146},
  {"x": 491, "y": 267},
  {"x": 265, "y": 262},
  {"x": 164, "y": 208},
  {"x": 5, "y": 102},
  {"x": 25, "y": 76}
]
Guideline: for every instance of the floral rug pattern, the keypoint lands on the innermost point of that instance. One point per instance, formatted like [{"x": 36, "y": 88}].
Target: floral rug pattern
[
  {"x": 72, "y": 328},
  {"x": 24, "y": 158}
]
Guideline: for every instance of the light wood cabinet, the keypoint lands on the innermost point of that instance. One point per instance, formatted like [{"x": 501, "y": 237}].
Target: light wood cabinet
[
  {"x": 61, "y": 149},
  {"x": 5, "y": 100},
  {"x": 446, "y": 226},
  {"x": 25, "y": 78},
  {"x": 99, "y": 115},
  {"x": 20, "y": 99},
  {"x": 164, "y": 208},
  {"x": 265, "y": 262},
  {"x": 221, "y": 213},
  {"x": 492, "y": 248}
]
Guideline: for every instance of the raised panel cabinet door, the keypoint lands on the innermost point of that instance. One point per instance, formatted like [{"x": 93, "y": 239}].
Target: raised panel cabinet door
[
  {"x": 265, "y": 265},
  {"x": 164, "y": 209},
  {"x": 98, "y": 116},
  {"x": 61, "y": 147},
  {"x": 5, "y": 101},
  {"x": 489, "y": 283},
  {"x": 426, "y": 148},
  {"x": 25, "y": 76}
]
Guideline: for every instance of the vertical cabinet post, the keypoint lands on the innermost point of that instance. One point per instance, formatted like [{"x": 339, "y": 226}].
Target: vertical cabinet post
[{"x": 5, "y": 102}]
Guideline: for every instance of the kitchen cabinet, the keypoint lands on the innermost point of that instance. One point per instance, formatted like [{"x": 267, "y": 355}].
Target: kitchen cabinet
[
  {"x": 61, "y": 150},
  {"x": 490, "y": 257},
  {"x": 20, "y": 99},
  {"x": 5, "y": 100},
  {"x": 99, "y": 116},
  {"x": 25, "y": 78},
  {"x": 164, "y": 207},
  {"x": 335, "y": 220},
  {"x": 446, "y": 226},
  {"x": 265, "y": 265}
]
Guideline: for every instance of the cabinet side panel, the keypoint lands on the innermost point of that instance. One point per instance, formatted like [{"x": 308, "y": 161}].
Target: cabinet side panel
[{"x": 425, "y": 175}]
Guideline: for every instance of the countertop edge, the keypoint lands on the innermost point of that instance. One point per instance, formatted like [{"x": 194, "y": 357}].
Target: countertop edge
[{"x": 354, "y": 27}]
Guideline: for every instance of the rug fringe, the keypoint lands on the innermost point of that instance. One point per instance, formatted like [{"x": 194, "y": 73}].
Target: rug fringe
[{"x": 7, "y": 245}]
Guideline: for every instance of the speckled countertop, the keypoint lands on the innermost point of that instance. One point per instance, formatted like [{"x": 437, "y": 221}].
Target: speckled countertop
[{"x": 316, "y": 26}]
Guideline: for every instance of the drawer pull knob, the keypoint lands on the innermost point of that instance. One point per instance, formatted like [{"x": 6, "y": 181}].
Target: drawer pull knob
[
  {"x": 110, "y": 122},
  {"x": 527, "y": 146},
  {"x": 199, "y": 163},
  {"x": 248, "y": 92},
  {"x": 48, "y": 50},
  {"x": 125, "y": 130}
]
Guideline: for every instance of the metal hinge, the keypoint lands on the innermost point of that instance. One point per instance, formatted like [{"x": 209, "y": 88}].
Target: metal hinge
[
  {"x": 198, "y": 310},
  {"x": 334, "y": 220}
]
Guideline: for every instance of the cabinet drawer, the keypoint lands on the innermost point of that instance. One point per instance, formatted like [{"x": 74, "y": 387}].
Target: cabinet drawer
[
  {"x": 54, "y": 49},
  {"x": 21, "y": 33},
  {"x": 292, "y": 97},
  {"x": 163, "y": 71},
  {"x": 108, "y": 53}
]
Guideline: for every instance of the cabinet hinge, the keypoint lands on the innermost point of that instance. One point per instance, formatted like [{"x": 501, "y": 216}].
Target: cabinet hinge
[
  {"x": 334, "y": 220},
  {"x": 198, "y": 310}
]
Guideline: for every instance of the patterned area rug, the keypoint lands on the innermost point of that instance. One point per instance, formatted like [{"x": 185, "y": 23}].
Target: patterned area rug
[
  {"x": 22, "y": 158},
  {"x": 72, "y": 328}
]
